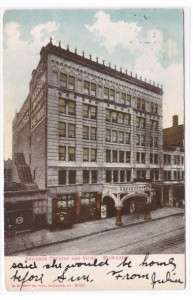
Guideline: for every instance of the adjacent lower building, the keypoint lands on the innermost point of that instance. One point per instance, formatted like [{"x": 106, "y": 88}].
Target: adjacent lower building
[{"x": 90, "y": 135}]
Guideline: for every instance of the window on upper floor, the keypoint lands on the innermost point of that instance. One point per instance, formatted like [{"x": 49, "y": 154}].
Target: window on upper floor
[
  {"x": 62, "y": 152},
  {"x": 122, "y": 176},
  {"x": 108, "y": 115},
  {"x": 106, "y": 93},
  {"x": 108, "y": 135},
  {"x": 62, "y": 177},
  {"x": 62, "y": 129},
  {"x": 85, "y": 176},
  {"x": 63, "y": 79},
  {"x": 71, "y": 130},
  {"x": 121, "y": 156},
  {"x": 128, "y": 156},
  {"x": 71, "y": 154},
  {"x": 108, "y": 155},
  {"x": 71, "y": 108},
  {"x": 115, "y": 176},
  {"x": 86, "y": 87},
  {"x": 94, "y": 176},
  {"x": 85, "y": 154},
  {"x": 62, "y": 105},
  {"x": 85, "y": 132},
  {"x": 71, "y": 82},
  {"x": 108, "y": 176},
  {"x": 127, "y": 137},
  {"x": 112, "y": 94},
  {"x": 93, "y": 112},
  {"x": 93, "y": 89},
  {"x": 114, "y": 156},
  {"x": 93, "y": 155},
  {"x": 72, "y": 177},
  {"x": 114, "y": 136},
  {"x": 93, "y": 133},
  {"x": 121, "y": 137}
]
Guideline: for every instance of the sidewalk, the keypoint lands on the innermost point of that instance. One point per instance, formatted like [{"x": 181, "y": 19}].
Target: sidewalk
[{"x": 45, "y": 237}]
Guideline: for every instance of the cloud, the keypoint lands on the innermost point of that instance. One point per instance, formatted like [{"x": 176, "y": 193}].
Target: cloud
[
  {"x": 150, "y": 51},
  {"x": 20, "y": 58}
]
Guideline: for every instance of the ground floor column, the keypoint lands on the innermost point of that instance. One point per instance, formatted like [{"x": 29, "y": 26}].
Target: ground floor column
[
  {"x": 162, "y": 196},
  {"x": 77, "y": 205},
  {"x": 171, "y": 196},
  {"x": 119, "y": 216},
  {"x": 98, "y": 205}
]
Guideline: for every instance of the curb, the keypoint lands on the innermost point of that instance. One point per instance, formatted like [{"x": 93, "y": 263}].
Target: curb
[{"x": 92, "y": 233}]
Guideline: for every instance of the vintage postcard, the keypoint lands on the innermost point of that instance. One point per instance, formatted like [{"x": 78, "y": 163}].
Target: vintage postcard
[{"x": 94, "y": 149}]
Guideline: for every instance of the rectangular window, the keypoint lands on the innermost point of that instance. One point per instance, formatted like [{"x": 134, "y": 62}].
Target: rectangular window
[
  {"x": 79, "y": 85},
  {"x": 62, "y": 105},
  {"x": 93, "y": 155},
  {"x": 114, "y": 136},
  {"x": 138, "y": 103},
  {"x": 143, "y": 158},
  {"x": 115, "y": 176},
  {"x": 142, "y": 123},
  {"x": 63, "y": 79},
  {"x": 62, "y": 177},
  {"x": 155, "y": 142},
  {"x": 151, "y": 158},
  {"x": 85, "y": 176},
  {"x": 120, "y": 118},
  {"x": 93, "y": 112},
  {"x": 85, "y": 132},
  {"x": 128, "y": 174},
  {"x": 128, "y": 100},
  {"x": 142, "y": 140},
  {"x": 137, "y": 139},
  {"x": 93, "y": 89},
  {"x": 128, "y": 156},
  {"x": 85, "y": 111},
  {"x": 72, "y": 177},
  {"x": 127, "y": 119},
  {"x": 121, "y": 156},
  {"x": 138, "y": 157},
  {"x": 71, "y": 82},
  {"x": 108, "y": 135},
  {"x": 121, "y": 137},
  {"x": 71, "y": 108},
  {"x": 62, "y": 129},
  {"x": 108, "y": 176},
  {"x": 114, "y": 116},
  {"x": 62, "y": 152},
  {"x": 94, "y": 176},
  {"x": 108, "y": 155},
  {"x": 127, "y": 138},
  {"x": 122, "y": 176},
  {"x": 115, "y": 156},
  {"x": 86, "y": 87},
  {"x": 156, "y": 159},
  {"x": 138, "y": 122},
  {"x": 106, "y": 93},
  {"x": 123, "y": 98},
  {"x": 112, "y": 94},
  {"x": 71, "y": 154},
  {"x": 108, "y": 115},
  {"x": 93, "y": 133},
  {"x": 142, "y": 105},
  {"x": 85, "y": 154},
  {"x": 71, "y": 130}
]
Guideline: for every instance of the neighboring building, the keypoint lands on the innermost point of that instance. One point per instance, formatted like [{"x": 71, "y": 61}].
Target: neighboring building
[
  {"x": 8, "y": 174},
  {"x": 173, "y": 164},
  {"x": 89, "y": 134}
]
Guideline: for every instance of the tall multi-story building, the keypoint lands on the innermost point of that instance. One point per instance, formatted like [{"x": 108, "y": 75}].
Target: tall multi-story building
[{"x": 90, "y": 134}]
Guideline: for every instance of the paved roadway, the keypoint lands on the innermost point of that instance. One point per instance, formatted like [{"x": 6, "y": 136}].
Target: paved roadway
[{"x": 160, "y": 236}]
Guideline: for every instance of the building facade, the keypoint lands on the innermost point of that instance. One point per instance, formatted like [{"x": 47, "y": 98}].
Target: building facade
[{"x": 90, "y": 134}]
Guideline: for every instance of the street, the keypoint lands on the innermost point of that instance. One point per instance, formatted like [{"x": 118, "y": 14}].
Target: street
[{"x": 160, "y": 236}]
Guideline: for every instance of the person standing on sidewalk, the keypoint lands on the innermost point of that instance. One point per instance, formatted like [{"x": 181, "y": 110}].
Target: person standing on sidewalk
[{"x": 147, "y": 215}]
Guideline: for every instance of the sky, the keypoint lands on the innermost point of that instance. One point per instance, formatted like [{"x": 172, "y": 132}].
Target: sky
[{"x": 148, "y": 42}]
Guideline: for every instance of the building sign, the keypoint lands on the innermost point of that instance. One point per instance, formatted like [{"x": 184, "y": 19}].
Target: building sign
[{"x": 127, "y": 188}]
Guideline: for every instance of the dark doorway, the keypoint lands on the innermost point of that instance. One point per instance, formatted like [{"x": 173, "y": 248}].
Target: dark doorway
[
  {"x": 134, "y": 205},
  {"x": 111, "y": 210}
]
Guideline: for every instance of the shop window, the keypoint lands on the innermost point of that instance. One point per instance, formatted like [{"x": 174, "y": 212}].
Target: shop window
[
  {"x": 94, "y": 176},
  {"x": 62, "y": 105},
  {"x": 85, "y": 176},
  {"x": 72, "y": 177},
  {"x": 71, "y": 130},
  {"x": 85, "y": 154},
  {"x": 85, "y": 132},
  {"x": 93, "y": 155},
  {"x": 62, "y": 129},
  {"x": 62, "y": 177},
  {"x": 62, "y": 152},
  {"x": 71, "y": 154}
]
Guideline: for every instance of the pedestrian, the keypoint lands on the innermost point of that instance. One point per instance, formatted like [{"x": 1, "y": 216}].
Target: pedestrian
[{"x": 147, "y": 210}]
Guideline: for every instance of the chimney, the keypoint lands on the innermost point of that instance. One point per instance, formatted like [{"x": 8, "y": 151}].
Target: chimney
[{"x": 175, "y": 120}]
